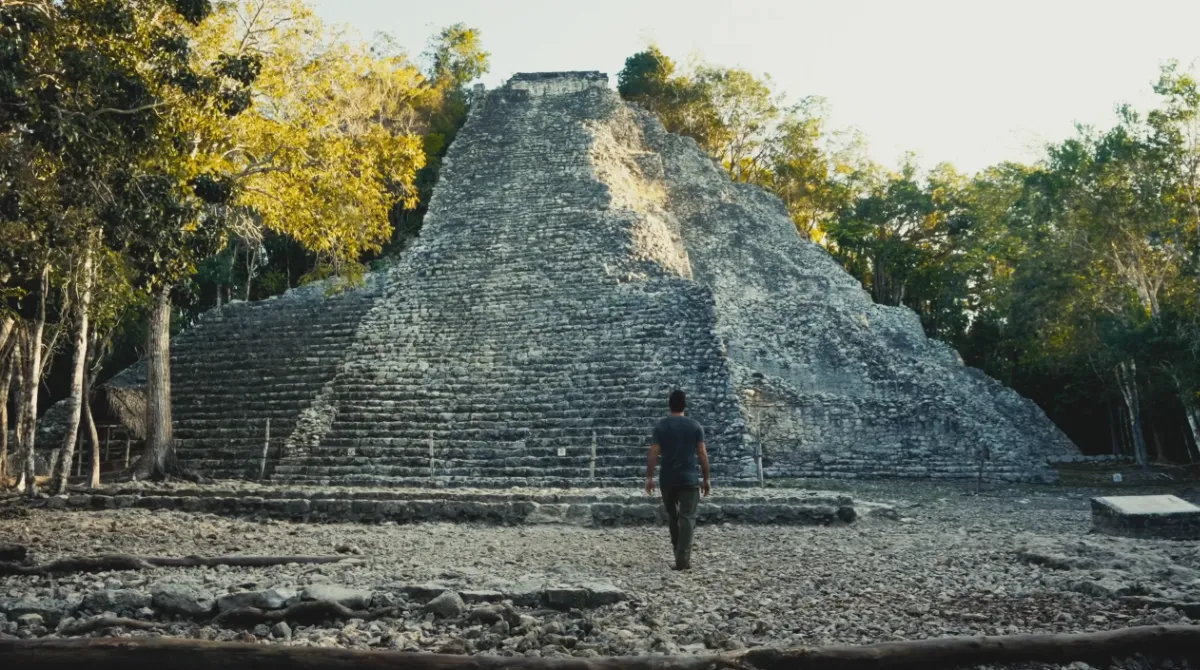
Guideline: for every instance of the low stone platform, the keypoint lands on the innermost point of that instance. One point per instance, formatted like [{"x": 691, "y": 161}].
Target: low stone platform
[
  {"x": 581, "y": 507},
  {"x": 1161, "y": 517}
]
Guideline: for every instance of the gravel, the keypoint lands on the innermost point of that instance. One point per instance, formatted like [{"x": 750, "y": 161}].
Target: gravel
[{"x": 1010, "y": 561}]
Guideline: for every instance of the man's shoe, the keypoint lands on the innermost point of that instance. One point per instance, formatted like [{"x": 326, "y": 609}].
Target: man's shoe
[{"x": 681, "y": 566}]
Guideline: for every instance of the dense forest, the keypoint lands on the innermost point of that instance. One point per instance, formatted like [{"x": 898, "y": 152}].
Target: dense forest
[{"x": 161, "y": 157}]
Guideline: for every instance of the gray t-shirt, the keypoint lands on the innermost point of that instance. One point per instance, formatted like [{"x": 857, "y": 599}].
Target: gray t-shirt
[{"x": 677, "y": 438}]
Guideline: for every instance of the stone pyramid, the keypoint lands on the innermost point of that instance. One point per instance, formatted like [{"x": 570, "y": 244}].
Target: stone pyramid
[{"x": 576, "y": 264}]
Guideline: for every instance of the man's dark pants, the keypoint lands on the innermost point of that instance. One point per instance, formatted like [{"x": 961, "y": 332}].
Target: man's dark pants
[{"x": 681, "y": 506}]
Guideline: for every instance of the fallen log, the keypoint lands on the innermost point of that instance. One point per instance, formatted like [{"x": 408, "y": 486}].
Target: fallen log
[
  {"x": 131, "y": 562},
  {"x": 12, "y": 552},
  {"x": 307, "y": 612},
  {"x": 89, "y": 625},
  {"x": 949, "y": 653},
  {"x": 1175, "y": 642}
]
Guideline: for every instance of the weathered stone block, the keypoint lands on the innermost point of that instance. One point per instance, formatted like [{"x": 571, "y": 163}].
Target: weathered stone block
[{"x": 1159, "y": 516}]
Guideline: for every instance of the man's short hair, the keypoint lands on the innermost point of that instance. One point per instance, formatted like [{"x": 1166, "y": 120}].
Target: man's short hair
[{"x": 678, "y": 401}]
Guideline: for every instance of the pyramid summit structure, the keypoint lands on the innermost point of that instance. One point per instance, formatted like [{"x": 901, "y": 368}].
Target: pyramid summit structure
[{"x": 577, "y": 263}]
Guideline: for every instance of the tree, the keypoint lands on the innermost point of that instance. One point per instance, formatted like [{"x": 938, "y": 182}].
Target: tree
[
  {"x": 680, "y": 103},
  {"x": 900, "y": 231},
  {"x": 647, "y": 78},
  {"x": 86, "y": 86},
  {"x": 145, "y": 135},
  {"x": 745, "y": 113},
  {"x": 814, "y": 178},
  {"x": 1175, "y": 132},
  {"x": 329, "y": 141},
  {"x": 76, "y": 400},
  {"x": 1115, "y": 205},
  {"x": 456, "y": 57}
]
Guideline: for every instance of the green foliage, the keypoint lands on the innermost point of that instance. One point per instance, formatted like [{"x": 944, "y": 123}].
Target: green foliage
[
  {"x": 456, "y": 57},
  {"x": 646, "y": 76}
]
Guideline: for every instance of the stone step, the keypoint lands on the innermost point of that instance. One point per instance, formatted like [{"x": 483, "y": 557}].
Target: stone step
[
  {"x": 511, "y": 512},
  {"x": 369, "y": 472}
]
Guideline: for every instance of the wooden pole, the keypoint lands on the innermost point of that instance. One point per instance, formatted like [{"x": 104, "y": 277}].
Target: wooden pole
[
  {"x": 949, "y": 653},
  {"x": 128, "y": 444},
  {"x": 262, "y": 468},
  {"x": 592, "y": 468},
  {"x": 431, "y": 470},
  {"x": 762, "y": 480}
]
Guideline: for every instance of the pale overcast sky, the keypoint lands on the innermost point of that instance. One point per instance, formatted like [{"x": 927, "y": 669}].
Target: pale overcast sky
[{"x": 965, "y": 81}]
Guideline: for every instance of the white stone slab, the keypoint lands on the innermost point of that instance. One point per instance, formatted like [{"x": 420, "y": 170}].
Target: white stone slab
[{"x": 1133, "y": 505}]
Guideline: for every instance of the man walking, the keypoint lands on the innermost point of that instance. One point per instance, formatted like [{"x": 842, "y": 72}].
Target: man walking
[{"x": 679, "y": 440}]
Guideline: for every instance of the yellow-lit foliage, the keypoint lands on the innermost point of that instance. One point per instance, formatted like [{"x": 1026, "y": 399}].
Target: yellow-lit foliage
[{"x": 331, "y": 141}]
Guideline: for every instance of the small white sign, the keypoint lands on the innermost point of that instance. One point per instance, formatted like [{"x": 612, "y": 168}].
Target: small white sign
[
  {"x": 1117, "y": 478},
  {"x": 562, "y": 451}
]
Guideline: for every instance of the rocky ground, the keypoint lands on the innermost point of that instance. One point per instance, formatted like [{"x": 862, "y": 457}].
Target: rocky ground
[{"x": 1016, "y": 559}]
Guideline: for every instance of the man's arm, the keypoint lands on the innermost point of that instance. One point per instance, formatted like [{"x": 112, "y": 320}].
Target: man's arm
[
  {"x": 702, "y": 454},
  {"x": 651, "y": 461}
]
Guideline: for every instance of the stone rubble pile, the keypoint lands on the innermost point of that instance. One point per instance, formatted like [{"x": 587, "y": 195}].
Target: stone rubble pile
[
  {"x": 61, "y": 607},
  {"x": 589, "y": 508}
]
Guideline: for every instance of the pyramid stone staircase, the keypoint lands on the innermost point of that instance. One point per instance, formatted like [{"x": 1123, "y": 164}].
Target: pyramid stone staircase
[{"x": 577, "y": 264}]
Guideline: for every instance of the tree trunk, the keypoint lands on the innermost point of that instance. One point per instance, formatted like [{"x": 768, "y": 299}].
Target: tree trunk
[
  {"x": 1192, "y": 411},
  {"x": 1126, "y": 372},
  {"x": 29, "y": 403},
  {"x": 6, "y": 375},
  {"x": 6, "y": 329},
  {"x": 1126, "y": 434},
  {"x": 1160, "y": 453},
  {"x": 251, "y": 265},
  {"x": 78, "y": 364},
  {"x": 32, "y": 381},
  {"x": 7, "y": 324},
  {"x": 158, "y": 459},
  {"x": 17, "y": 368},
  {"x": 1114, "y": 437},
  {"x": 94, "y": 435}
]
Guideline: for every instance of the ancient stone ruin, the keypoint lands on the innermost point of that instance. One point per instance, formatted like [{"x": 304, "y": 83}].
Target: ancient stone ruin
[
  {"x": 577, "y": 263},
  {"x": 1146, "y": 516}
]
